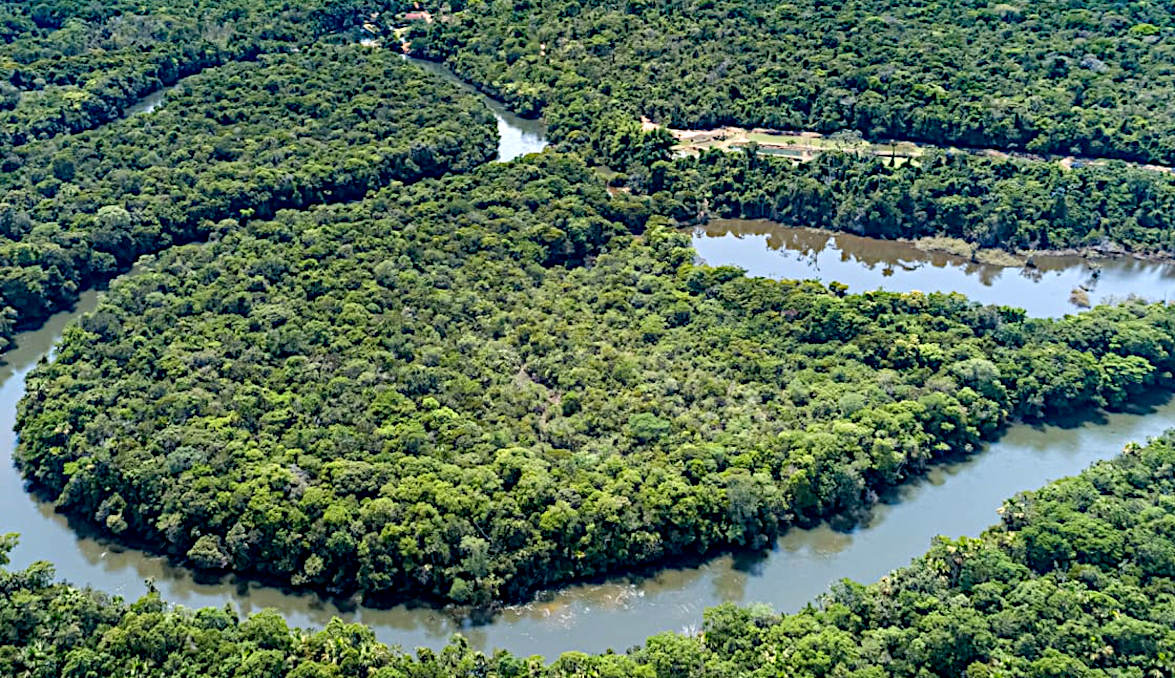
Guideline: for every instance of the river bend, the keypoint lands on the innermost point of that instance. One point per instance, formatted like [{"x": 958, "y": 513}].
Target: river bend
[{"x": 954, "y": 499}]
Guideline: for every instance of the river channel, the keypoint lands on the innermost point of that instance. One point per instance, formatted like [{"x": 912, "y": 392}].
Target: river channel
[
  {"x": 148, "y": 103},
  {"x": 772, "y": 250},
  {"x": 516, "y": 135},
  {"x": 954, "y": 499}
]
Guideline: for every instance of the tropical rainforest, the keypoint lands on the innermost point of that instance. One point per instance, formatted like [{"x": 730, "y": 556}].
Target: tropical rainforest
[
  {"x": 1053, "y": 78},
  {"x": 350, "y": 355},
  {"x": 1078, "y": 579},
  {"x": 473, "y": 387},
  {"x": 236, "y": 142},
  {"x": 1087, "y": 78},
  {"x": 71, "y": 65}
]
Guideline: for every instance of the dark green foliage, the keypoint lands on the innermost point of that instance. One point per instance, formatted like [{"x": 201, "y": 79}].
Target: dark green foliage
[
  {"x": 236, "y": 142},
  {"x": 473, "y": 387},
  {"x": 1051, "y": 76},
  {"x": 1078, "y": 580},
  {"x": 468, "y": 388},
  {"x": 67, "y": 66},
  {"x": 1047, "y": 78},
  {"x": 1011, "y": 204}
]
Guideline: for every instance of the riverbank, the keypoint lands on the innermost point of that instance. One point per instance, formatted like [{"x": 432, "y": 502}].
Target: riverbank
[
  {"x": 978, "y": 594},
  {"x": 959, "y": 497},
  {"x": 517, "y": 135},
  {"x": 1095, "y": 254},
  {"x": 958, "y": 247}
]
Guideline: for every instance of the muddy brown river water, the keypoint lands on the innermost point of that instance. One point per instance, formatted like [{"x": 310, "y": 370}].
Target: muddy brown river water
[{"x": 954, "y": 499}]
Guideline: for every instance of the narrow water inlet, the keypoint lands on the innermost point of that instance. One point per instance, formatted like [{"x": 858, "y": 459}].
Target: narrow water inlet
[
  {"x": 517, "y": 136},
  {"x": 149, "y": 102}
]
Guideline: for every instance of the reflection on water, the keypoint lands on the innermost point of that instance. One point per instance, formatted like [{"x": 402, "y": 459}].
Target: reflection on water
[
  {"x": 517, "y": 135},
  {"x": 771, "y": 250}
]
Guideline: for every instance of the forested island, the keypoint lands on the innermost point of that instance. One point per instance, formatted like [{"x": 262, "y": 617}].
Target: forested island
[
  {"x": 351, "y": 356},
  {"x": 431, "y": 393}
]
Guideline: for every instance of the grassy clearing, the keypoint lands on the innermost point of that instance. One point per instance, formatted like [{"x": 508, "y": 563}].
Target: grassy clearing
[
  {"x": 962, "y": 248},
  {"x": 799, "y": 146}
]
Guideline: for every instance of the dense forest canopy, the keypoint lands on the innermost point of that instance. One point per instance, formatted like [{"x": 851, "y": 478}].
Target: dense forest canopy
[
  {"x": 1050, "y": 78},
  {"x": 1077, "y": 580},
  {"x": 464, "y": 382},
  {"x": 239, "y": 141},
  {"x": 1011, "y": 204},
  {"x": 71, "y": 65},
  {"x": 1056, "y": 76},
  {"x": 472, "y": 387}
]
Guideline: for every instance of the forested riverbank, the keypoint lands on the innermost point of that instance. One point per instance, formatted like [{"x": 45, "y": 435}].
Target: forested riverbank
[
  {"x": 1052, "y": 80},
  {"x": 1009, "y": 204},
  {"x": 1043, "y": 284},
  {"x": 454, "y": 404},
  {"x": 1048, "y": 78},
  {"x": 1076, "y": 580}
]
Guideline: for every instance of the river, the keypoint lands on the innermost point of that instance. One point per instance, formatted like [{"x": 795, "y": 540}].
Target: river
[
  {"x": 772, "y": 250},
  {"x": 148, "y": 103},
  {"x": 516, "y": 135},
  {"x": 953, "y": 499}
]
